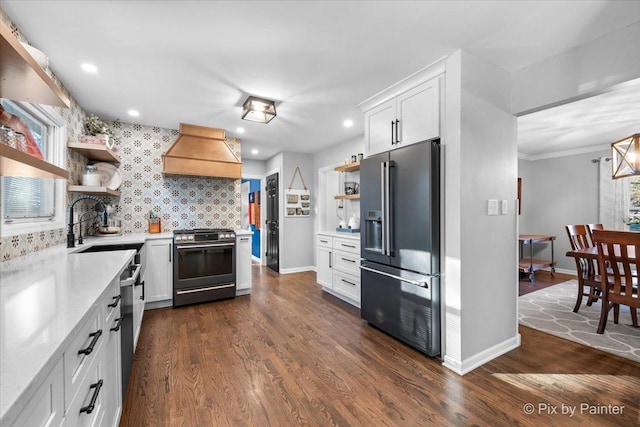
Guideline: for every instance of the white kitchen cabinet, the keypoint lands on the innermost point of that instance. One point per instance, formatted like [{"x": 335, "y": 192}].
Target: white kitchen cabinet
[
  {"x": 410, "y": 117},
  {"x": 338, "y": 266},
  {"x": 46, "y": 407},
  {"x": 243, "y": 264},
  {"x": 159, "y": 270},
  {"x": 113, "y": 367}
]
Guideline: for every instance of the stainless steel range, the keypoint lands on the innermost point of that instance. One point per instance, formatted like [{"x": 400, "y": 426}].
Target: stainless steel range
[{"x": 204, "y": 267}]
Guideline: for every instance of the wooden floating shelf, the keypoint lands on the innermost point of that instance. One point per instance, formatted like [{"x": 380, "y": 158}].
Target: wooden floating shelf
[
  {"x": 18, "y": 163},
  {"x": 351, "y": 167},
  {"x": 22, "y": 78},
  {"x": 102, "y": 191},
  {"x": 94, "y": 151},
  {"x": 347, "y": 197}
]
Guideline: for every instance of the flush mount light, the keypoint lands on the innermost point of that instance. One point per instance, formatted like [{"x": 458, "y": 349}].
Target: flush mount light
[
  {"x": 240, "y": 130},
  {"x": 133, "y": 113},
  {"x": 348, "y": 123},
  {"x": 89, "y": 68},
  {"x": 626, "y": 157},
  {"x": 254, "y": 151},
  {"x": 258, "y": 110}
]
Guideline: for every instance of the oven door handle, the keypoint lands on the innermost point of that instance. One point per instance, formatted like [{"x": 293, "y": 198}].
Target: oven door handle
[
  {"x": 213, "y": 245},
  {"x": 209, "y": 288}
]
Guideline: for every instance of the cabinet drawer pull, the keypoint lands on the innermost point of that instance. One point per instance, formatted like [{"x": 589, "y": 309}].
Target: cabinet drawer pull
[
  {"x": 96, "y": 336},
  {"x": 115, "y": 303},
  {"x": 244, "y": 239},
  {"x": 347, "y": 259},
  {"x": 117, "y": 327},
  {"x": 348, "y": 282},
  {"x": 348, "y": 246},
  {"x": 89, "y": 408},
  {"x": 324, "y": 241}
]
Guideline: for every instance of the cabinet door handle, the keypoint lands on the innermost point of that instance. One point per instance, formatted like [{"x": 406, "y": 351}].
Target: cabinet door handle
[
  {"x": 330, "y": 266},
  {"x": 348, "y": 246},
  {"x": 348, "y": 282},
  {"x": 117, "y": 327},
  {"x": 115, "y": 303},
  {"x": 170, "y": 250},
  {"x": 96, "y": 336},
  {"x": 89, "y": 409},
  {"x": 347, "y": 259},
  {"x": 392, "y": 124},
  {"x": 397, "y": 126}
]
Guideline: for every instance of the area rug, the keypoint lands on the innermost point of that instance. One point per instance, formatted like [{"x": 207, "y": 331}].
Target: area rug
[{"x": 551, "y": 310}]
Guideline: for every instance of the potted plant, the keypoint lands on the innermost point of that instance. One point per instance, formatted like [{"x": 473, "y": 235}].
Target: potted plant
[
  {"x": 99, "y": 132},
  {"x": 634, "y": 223}
]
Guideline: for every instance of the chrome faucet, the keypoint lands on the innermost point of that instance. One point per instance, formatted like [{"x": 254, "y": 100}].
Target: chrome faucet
[{"x": 71, "y": 238}]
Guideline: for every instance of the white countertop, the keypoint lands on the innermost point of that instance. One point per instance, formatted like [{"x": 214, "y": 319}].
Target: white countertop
[
  {"x": 241, "y": 232},
  {"x": 44, "y": 297},
  {"x": 352, "y": 236}
]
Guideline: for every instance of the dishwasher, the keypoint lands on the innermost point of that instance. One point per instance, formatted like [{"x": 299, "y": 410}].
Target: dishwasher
[{"x": 130, "y": 277}]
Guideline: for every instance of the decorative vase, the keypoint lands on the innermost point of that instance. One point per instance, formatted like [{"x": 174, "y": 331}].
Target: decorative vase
[{"x": 634, "y": 227}]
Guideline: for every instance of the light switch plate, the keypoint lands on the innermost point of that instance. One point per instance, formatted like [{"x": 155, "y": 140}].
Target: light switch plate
[
  {"x": 492, "y": 207},
  {"x": 504, "y": 207}
]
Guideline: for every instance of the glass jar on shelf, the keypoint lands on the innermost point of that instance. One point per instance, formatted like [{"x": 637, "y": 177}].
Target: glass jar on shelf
[{"x": 91, "y": 177}]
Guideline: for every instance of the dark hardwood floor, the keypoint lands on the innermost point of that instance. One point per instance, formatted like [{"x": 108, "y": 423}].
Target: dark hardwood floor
[
  {"x": 543, "y": 279},
  {"x": 291, "y": 355}
]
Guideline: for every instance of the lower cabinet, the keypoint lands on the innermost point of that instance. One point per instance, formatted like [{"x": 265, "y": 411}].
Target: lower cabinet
[
  {"x": 159, "y": 270},
  {"x": 338, "y": 267},
  {"x": 243, "y": 264}
]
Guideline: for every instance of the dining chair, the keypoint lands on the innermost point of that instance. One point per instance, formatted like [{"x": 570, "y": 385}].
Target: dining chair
[
  {"x": 588, "y": 275},
  {"x": 620, "y": 285},
  {"x": 590, "y": 228}
]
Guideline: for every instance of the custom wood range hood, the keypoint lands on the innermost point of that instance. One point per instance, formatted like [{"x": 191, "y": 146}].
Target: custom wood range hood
[{"x": 201, "y": 151}]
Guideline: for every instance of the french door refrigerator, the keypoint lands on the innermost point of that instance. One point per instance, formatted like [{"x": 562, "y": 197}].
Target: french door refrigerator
[{"x": 400, "y": 244}]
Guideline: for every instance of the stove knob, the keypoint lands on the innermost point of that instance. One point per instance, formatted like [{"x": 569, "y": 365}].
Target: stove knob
[{"x": 191, "y": 238}]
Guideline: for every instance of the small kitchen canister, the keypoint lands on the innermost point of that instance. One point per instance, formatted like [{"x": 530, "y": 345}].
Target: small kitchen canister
[{"x": 91, "y": 177}]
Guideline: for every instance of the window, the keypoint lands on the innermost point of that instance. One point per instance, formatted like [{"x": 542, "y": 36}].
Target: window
[
  {"x": 35, "y": 204},
  {"x": 634, "y": 196}
]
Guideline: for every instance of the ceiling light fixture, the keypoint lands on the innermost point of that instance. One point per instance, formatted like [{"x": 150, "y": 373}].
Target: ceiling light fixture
[
  {"x": 89, "y": 68},
  {"x": 254, "y": 151},
  {"x": 258, "y": 110},
  {"x": 133, "y": 113},
  {"x": 240, "y": 130},
  {"x": 348, "y": 123},
  {"x": 626, "y": 157}
]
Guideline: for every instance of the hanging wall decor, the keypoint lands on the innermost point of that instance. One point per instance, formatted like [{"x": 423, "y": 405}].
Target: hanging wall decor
[{"x": 297, "y": 202}]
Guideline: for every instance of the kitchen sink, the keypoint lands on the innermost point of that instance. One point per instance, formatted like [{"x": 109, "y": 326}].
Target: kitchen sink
[{"x": 108, "y": 248}]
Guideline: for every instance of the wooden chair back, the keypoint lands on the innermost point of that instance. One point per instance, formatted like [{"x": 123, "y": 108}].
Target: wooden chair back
[
  {"x": 578, "y": 236},
  {"x": 619, "y": 249},
  {"x": 590, "y": 228}
]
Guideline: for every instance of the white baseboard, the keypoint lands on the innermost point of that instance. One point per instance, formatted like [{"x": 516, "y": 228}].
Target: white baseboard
[
  {"x": 471, "y": 363},
  {"x": 563, "y": 271},
  {"x": 297, "y": 269},
  {"x": 256, "y": 259}
]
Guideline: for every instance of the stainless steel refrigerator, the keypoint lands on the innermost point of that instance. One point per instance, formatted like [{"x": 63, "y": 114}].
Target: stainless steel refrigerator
[{"x": 400, "y": 244}]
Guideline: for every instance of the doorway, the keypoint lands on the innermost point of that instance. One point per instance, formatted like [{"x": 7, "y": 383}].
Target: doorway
[
  {"x": 251, "y": 214},
  {"x": 272, "y": 223}
]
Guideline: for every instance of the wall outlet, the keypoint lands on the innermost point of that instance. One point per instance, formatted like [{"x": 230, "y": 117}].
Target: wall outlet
[{"x": 504, "y": 207}]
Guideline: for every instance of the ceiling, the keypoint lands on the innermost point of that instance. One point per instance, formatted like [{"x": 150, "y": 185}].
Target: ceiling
[
  {"x": 197, "y": 61},
  {"x": 591, "y": 124}
]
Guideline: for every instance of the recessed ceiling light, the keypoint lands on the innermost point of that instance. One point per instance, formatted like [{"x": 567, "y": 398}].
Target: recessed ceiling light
[
  {"x": 133, "y": 113},
  {"x": 240, "y": 130},
  {"x": 254, "y": 151},
  {"x": 89, "y": 68},
  {"x": 348, "y": 123}
]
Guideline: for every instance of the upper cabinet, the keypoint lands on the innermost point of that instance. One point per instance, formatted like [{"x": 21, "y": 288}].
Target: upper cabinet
[
  {"x": 22, "y": 78},
  {"x": 406, "y": 113}
]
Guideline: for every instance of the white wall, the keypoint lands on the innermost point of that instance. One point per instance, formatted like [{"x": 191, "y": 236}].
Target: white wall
[
  {"x": 581, "y": 72},
  {"x": 562, "y": 191},
  {"x": 253, "y": 167},
  {"x": 480, "y": 283}
]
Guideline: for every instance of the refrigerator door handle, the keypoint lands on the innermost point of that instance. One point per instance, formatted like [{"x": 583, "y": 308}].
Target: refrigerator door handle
[
  {"x": 382, "y": 194},
  {"x": 422, "y": 284},
  {"x": 387, "y": 208}
]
